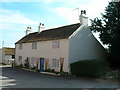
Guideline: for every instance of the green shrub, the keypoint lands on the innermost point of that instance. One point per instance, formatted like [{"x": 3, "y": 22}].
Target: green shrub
[
  {"x": 47, "y": 70},
  {"x": 26, "y": 65},
  {"x": 57, "y": 72},
  {"x": 20, "y": 66},
  {"x": 63, "y": 73},
  {"x": 37, "y": 70},
  {"x": 89, "y": 68},
  {"x": 51, "y": 70},
  {"x": 33, "y": 68}
]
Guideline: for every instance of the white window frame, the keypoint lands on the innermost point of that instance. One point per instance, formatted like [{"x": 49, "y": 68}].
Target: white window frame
[
  {"x": 34, "y": 45},
  {"x": 56, "y": 44},
  {"x": 55, "y": 63},
  {"x": 32, "y": 61},
  {"x": 19, "y": 58},
  {"x": 20, "y": 46}
]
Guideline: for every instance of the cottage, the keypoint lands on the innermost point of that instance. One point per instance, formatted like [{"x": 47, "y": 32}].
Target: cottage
[
  {"x": 8, "y": 55},
  {"x": 57, "y": 48}
]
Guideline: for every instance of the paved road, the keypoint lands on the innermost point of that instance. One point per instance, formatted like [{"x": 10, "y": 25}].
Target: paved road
[{"x": 17, "y": 78}]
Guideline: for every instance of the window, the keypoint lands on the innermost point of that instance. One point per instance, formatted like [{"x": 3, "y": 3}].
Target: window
[
  {"x": 55, "y": 63},
  {"x": 34, "y": 45},
  {"x": 56, "y": 44},
  {"x": 20, "y": 58},
  {"x": 20, "y": 46},
  {"x": 32, "y": 61}
]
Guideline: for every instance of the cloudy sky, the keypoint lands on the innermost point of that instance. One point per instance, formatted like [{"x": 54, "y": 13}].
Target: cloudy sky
[{"x": 16, "y": 15}]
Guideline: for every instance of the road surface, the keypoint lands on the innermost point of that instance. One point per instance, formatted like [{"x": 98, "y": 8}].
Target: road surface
[{"x": 17, "y": 78}]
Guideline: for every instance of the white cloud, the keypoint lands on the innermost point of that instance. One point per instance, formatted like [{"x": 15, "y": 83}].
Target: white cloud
[
  {"x": 5, "y": 11},
  {"x": 15, "y": 17},
  {"x": 14, "y": 20},
  {"x": 45, "y": 1},
  {"x": 13, "y": 25},
  {"x": 94, "y": 9},
  {"x": 68, "y": 14}
]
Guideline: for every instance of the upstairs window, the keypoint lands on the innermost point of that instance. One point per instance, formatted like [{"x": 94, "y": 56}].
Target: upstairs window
[
  {"x": 56, "y": 44},
  {"x": 34, "y": 45},
  {"x": 20, "y": 46}
]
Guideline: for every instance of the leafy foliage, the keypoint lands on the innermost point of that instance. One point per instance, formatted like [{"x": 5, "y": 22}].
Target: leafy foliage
[
  {"x": 49, "y": 70},
  {"x": 62, "y": 73},
  {"x": 20, "y": 66},
  {"x": 26, "y": 64},
  {"x": 89, "y": 68},
  {"x": 109, "y": 28},
  {"x": 37, "y": 70}
]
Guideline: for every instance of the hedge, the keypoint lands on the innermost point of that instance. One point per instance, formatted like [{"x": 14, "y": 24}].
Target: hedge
[{"x": 89, "y": 68}]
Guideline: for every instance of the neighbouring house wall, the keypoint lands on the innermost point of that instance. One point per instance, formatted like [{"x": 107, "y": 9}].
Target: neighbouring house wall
[
  {"x": 0, "y": 55},
  {"x": 83, "y": 45},
  {"x": 45, "y": 50},
  {"x": 6, "y": 58}
]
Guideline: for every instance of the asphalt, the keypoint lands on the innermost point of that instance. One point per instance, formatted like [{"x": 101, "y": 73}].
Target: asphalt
[{"x": 18, "y": 78}]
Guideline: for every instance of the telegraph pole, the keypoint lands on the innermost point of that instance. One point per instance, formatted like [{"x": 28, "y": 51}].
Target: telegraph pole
[{"x": 3, "y": 52}]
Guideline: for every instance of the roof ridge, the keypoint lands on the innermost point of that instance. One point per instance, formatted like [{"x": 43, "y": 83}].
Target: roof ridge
[
  {"x": 62, "y": 26},
  {"x": 61, "y": 32},
  {"x": 56, "y": 28}
]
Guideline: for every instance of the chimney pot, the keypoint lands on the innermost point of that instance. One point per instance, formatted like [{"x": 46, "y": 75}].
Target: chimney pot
[
  {"x": 83, "y": 18},
  {"x": 28, "y": 30},
  {"x": 42, "y": 24},
  {"x": 40, "y": 27}
]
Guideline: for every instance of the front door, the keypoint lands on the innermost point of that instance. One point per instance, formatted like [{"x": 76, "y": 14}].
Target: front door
[{"x": 41, "y": 64}]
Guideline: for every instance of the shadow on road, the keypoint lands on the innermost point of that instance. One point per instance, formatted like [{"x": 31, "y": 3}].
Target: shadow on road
[
  {"x": 9, "y": 77},
  {"x": 17, "y": 78}
]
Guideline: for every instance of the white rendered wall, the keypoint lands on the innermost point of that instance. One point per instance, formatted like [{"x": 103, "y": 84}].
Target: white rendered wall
[
  {"x": 6, "y": 58},
  {"x": 84, "y": 46},
  {"x": 45, "y": 50}
]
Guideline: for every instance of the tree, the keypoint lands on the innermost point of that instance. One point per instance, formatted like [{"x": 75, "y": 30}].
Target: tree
[{"x": 109, "y": 28}]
